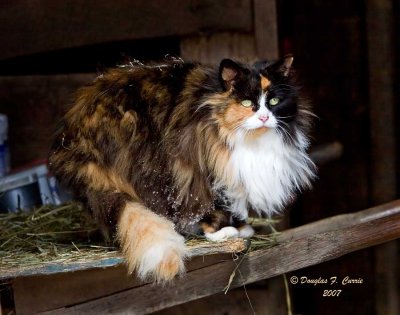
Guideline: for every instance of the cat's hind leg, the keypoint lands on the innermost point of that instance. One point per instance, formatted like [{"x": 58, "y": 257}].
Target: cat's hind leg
[{"x": 150, "y": 243}]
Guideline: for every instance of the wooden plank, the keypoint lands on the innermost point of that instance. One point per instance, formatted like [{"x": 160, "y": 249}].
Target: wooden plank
[
  {"x": 109, "y": 259},
  {"x": 33, "y": 294},
  {"x": 297, "y": 249},
  {"x": 266, "y": 29},
  {"x": 45, "y": 25},
  {"x": 381, "y": 67}
]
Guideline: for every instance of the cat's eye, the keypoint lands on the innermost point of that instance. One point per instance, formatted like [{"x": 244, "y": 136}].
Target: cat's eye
[
  {"x": 273, "y": 101},
  {"x": 247, "y": 103}
]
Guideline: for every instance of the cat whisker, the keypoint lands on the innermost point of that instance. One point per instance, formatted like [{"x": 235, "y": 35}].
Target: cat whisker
[
  {"x": 285, "y": 133},
  {"x": 291, "y": 116},
  {"x": 307, "y": 112}
]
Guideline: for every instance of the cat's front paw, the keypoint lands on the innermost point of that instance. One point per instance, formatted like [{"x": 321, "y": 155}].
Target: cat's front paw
[
  {"x": 245, "y": 231},
  {"x": 223, "y": 234}
]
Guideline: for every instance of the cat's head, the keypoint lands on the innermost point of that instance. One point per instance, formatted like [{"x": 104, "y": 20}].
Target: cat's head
[{"x": 260, "y": 98}]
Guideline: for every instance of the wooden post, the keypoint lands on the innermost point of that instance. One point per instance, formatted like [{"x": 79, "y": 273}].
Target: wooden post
[
  {"x": 260, "y": 43},
  {"x": 266, "y": 29},
  {"x": 380, "y": 40}
]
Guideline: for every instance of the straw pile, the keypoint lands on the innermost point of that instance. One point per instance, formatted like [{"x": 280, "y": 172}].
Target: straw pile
[
  {"x": 67, "y": 233},
  {"x": 47, "y": 233}
]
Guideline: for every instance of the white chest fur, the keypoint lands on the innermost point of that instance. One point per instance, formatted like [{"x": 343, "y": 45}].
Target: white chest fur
[{"x": 266, "y": 173}]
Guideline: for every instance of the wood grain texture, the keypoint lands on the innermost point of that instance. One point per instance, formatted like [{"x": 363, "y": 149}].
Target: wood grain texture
[
  {"x": 298, "y": 248},
  {"x": 38, "y": 293},
  {"x": 260, "y": 43},
  {"x": 210, "y": 49},
  {"x": 381, "y": 69},
  {"x": 266, "y": 29},
  {"x": 34, "y": 26}
]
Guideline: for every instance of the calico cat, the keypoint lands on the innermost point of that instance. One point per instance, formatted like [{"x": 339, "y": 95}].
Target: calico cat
[{"x": 157, "y": 149}]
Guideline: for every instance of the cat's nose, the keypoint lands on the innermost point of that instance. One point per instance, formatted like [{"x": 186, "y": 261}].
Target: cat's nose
[{"x": 263, "y": 118}]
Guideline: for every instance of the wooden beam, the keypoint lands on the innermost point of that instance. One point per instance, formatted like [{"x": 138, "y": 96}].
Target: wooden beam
[
  {"x": 298, "y": 248},
  {"x": 34, "y": 26},
  {"x": 42, "y": 292},
  {"x": 381, "y": 65}
]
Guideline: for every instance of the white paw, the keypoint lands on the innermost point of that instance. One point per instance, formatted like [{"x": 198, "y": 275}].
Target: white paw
[
  {"x": 222, "y": 234},
  {"x": 246, "y": 231}
]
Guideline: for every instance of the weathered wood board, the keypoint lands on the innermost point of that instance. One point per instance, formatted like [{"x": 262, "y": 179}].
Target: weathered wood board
[
  {"x": 297, "y": 248},
  {"x": 86, "y": 260}
]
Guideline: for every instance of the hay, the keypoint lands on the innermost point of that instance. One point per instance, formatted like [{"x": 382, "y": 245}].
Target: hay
[
  {"x": 67, "y": 233},
  {"x": 48, "y": 230}
]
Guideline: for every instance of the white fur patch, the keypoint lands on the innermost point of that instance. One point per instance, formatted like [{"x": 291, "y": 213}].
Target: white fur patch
[
  {"x": 265, "y": 172},
  {"x": 246, "y": 231},
  {"x": 222, "y": 234}
]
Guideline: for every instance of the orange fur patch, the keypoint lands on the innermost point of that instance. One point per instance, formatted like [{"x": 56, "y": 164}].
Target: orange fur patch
[
  {"x": 265, "y": 83},
  {"x": 236, "y": 114},
  {"x": 94, "y": 120},
  {"x": 217, "y": 156},
  {"x": 102, "y": 179},
  {"x": 207, "y": 228},
  {"x": 183, "y": 176},
  {"x": 233, "y": 116}
]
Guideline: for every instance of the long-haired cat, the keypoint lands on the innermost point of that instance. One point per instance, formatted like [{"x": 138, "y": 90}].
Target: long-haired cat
[{"x": 156, "y": 149}]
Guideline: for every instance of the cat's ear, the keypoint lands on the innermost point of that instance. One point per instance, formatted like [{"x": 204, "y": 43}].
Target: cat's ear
[
  {"x": 282, "y": 66},
  {"x": 229, "y": 72},
  {"x": 286, "y": 65}
]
